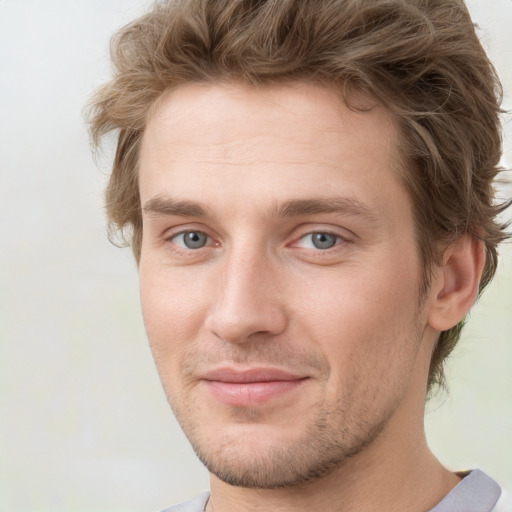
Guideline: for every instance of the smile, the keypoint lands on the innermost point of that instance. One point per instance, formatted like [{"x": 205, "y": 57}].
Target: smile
[{"x": 250, "y": 387}]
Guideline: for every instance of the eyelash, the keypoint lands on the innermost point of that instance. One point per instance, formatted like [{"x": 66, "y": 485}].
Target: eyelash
[
  {"x": 181, "y": 247},
  {"x": 338, "y": 240}
]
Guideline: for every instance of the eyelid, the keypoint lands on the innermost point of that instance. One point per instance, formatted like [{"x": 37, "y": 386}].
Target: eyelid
[
  {"x": 343, "y": 234},
  {"x": 339, "y": 240},
  {"x": 170, "y": 235},
  {"x": 178, "y": 235},
  {"x": 179, "y": 229}
]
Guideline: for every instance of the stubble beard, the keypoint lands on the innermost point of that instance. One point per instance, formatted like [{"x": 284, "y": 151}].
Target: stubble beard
[
  {"x": 337, "y": 433},
  {"x": 318, "y": 454},
  {"x": 333, "y": 437}
]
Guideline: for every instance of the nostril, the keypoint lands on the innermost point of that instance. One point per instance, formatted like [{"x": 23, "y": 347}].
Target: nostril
[{"x": 255, "y": 323}]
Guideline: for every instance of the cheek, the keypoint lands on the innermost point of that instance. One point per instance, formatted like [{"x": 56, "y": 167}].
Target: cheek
[
  {"x": 358, "y": 296},
  {"x": 173, "y": 311},
  {"x": 362, "y": 318}
]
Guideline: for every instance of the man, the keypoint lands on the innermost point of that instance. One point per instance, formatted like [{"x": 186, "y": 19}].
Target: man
[{"x": 308, "y": 189}]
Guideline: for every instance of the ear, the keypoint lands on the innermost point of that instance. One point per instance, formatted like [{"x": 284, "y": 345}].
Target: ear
[{"x": 455, "y": 285}]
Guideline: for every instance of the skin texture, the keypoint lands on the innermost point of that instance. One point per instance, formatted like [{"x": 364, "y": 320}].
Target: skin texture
[{"x": 240, "y": 187}]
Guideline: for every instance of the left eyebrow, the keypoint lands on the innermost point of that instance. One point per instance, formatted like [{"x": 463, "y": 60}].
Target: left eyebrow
[{"x": 341, "y": 205}]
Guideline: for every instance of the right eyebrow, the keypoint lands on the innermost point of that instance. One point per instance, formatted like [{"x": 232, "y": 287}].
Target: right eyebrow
[{"x": 159, "y": 205}]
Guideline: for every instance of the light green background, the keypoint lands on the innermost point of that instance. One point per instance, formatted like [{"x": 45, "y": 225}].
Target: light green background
[{"x": 83, "y": 422}]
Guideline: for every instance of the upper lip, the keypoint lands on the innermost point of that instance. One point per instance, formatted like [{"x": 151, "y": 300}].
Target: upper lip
[{"x": 262, "y": 374}]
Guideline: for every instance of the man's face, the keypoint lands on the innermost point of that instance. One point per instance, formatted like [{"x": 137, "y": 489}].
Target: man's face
[{"x": 279, "y": 278}]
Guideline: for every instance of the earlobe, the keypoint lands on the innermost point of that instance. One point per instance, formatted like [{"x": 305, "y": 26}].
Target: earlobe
[{"x": 455, "y": 287}]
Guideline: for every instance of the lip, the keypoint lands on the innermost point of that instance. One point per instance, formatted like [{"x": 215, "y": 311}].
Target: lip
[{"x": 250, "y": 387}]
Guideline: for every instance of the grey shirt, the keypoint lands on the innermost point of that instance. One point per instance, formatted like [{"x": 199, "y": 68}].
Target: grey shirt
[{"x": 476, "y": 492}]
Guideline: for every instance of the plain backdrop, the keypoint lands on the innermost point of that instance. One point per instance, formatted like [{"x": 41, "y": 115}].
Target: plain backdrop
[{"x": 84, "y": 424}]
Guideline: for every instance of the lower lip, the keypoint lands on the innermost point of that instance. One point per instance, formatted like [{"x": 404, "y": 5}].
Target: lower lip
[{"x": 246, "y": 394}]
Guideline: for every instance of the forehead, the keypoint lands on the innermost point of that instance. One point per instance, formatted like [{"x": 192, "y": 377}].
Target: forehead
[
  {"x": 229, "y": 110},
  {"x": 266, "y": 141}
]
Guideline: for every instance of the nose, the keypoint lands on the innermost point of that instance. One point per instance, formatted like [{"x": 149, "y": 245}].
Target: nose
[{"x": 247, "y": 304}]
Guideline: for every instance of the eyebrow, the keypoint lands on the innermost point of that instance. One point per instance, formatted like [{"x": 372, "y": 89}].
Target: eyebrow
[
  {"x": 159, "y": 205},
  {"x": 342, "y": 205},
  {"x": 168, "y": 206}
]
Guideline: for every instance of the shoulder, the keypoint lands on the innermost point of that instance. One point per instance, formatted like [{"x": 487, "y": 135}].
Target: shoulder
[
  {"x": 476, "y": 492},
  {"x": 505, "y": 502},
  {"x": 198, "y": 504}
]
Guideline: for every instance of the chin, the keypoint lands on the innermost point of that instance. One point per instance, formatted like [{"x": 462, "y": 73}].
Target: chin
[
  {"x": 263, "y": 457},
  {"x": 274, "y": 469}
]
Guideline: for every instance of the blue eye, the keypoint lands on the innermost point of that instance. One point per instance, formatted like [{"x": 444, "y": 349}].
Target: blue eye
[
  {"x": 320, "y": 241},
  {"x": 323, "y": 240},
  {"x": 192, "y": 239}
]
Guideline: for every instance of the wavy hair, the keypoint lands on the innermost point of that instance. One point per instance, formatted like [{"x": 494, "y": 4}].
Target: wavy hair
[{"x": 420, "y": 58}]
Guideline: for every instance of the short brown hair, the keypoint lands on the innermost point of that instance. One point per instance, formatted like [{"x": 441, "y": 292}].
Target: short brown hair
[{"x": 420, "y": 58}]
